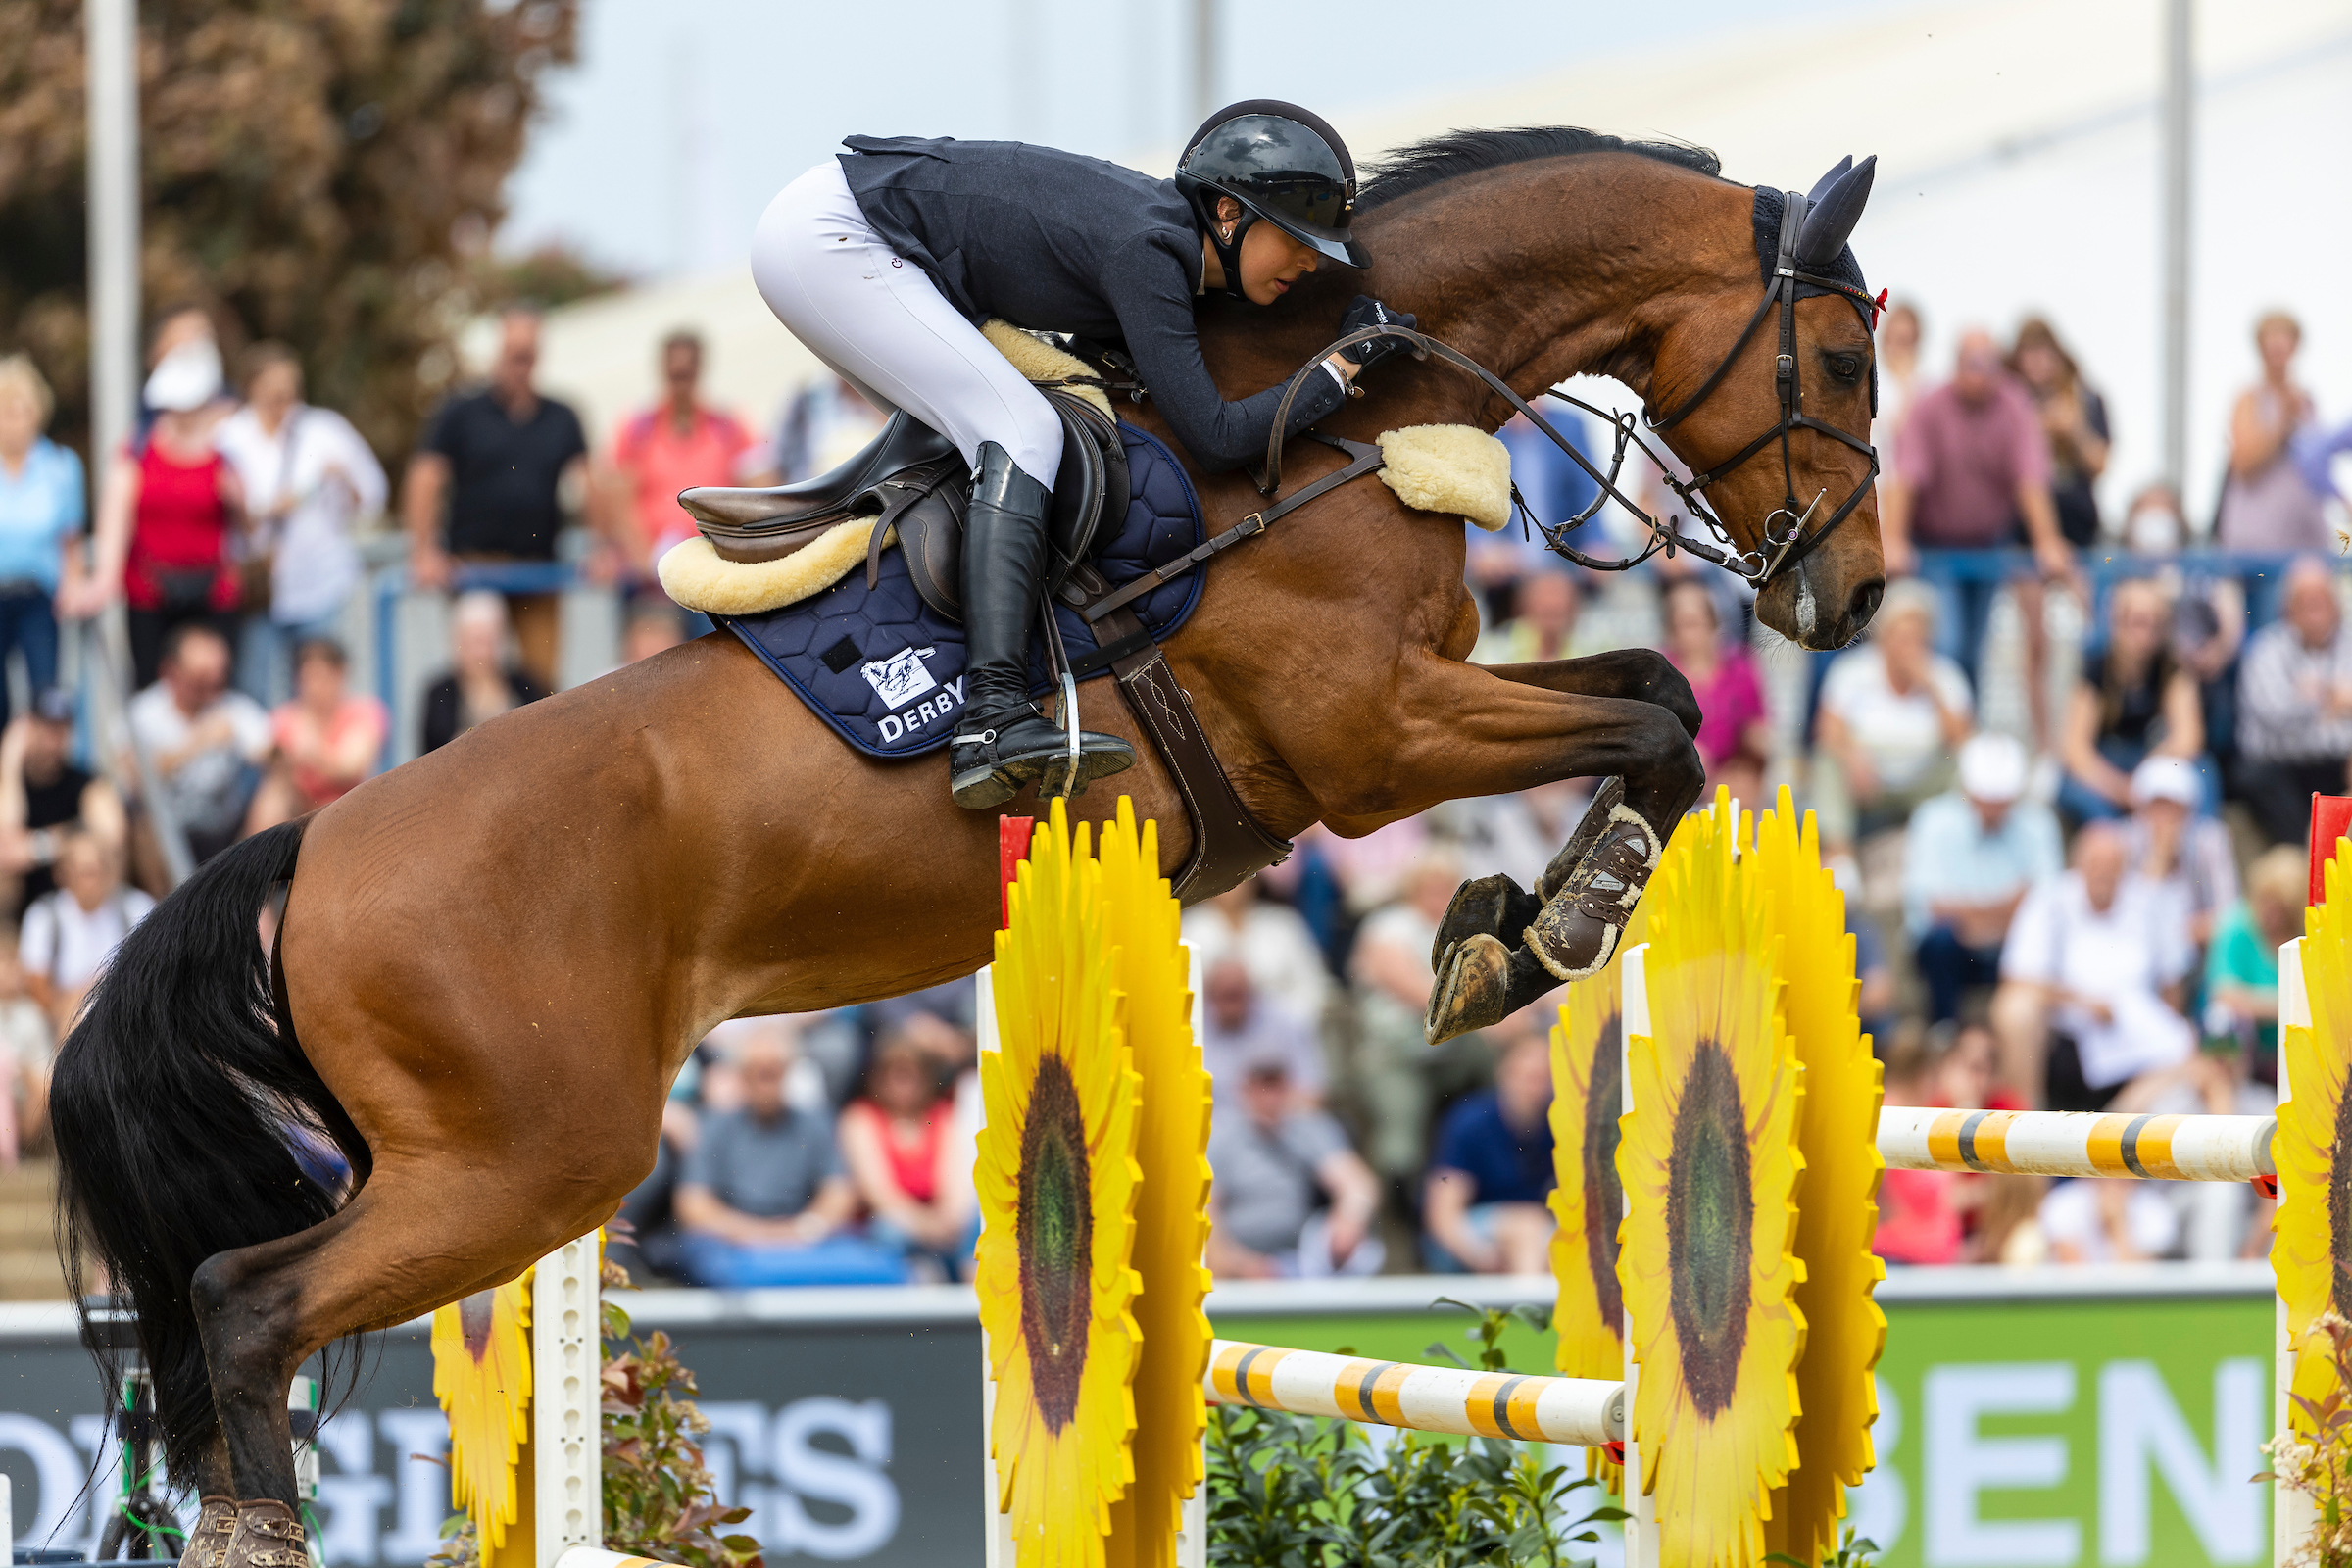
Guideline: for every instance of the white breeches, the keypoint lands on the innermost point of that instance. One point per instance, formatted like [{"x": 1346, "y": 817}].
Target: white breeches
[{"x": 879, "y": 321}]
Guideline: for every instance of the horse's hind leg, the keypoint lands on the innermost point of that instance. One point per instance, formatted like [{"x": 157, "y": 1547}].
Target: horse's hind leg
[{"x": 416, "y": 1236}]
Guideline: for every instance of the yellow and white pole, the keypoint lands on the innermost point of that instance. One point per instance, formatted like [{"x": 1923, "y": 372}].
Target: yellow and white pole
[
  {"x": 2051, "y": 1143},
  {"x": 1584, "y": 1412}
]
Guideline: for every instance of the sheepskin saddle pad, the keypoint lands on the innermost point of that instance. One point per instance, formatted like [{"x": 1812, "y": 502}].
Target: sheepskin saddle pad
[{"x": 886, "y": 671}]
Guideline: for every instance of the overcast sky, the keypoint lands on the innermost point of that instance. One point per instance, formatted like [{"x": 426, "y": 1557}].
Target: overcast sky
[{"x": 684, "y": 116}]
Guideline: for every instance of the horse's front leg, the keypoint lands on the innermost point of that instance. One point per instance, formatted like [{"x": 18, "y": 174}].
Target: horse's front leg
[
  {"x": 1465, "y": 732},
  {"x": 1636, "y": 675}
]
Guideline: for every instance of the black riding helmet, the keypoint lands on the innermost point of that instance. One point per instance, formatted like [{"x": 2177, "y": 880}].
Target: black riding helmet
[{"x": 1282, "y": 164}]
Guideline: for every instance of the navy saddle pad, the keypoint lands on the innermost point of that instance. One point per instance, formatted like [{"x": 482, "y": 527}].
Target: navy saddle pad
[{"x": 886, "y": 672}]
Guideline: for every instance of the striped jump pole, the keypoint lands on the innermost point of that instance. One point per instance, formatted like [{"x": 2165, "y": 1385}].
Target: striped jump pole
[
  {"x": 2052, "y": 1143},
  {"x": 1584, "y": 1412}
]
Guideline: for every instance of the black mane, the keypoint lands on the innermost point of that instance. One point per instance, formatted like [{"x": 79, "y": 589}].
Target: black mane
[{"x": 1465, "y": 152}]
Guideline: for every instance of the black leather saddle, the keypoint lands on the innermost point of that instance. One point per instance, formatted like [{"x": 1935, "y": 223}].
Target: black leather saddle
[{"x": 914, "y": 483}]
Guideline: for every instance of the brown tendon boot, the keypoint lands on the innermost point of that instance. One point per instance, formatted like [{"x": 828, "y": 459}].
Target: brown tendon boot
[
  {"x": 1606, "y": 798},
  {"x": 1578, "y": 930},
  {"x": 208, "y": 1542},
  {"x": 268, "y": 1535}
]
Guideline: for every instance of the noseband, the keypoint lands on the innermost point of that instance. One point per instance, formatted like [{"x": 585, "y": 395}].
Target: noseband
[{"x": 1776, "y": 551}]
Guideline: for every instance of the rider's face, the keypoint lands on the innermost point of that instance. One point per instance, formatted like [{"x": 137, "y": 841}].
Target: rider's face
[{"x": 1271, "y": 261}]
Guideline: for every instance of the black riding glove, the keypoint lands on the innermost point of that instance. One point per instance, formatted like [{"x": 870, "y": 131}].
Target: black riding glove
[{"x": 1365, "y": 311}]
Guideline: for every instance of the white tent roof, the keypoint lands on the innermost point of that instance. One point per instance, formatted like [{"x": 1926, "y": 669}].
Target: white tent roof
[{"x": 2018, "y": 174}]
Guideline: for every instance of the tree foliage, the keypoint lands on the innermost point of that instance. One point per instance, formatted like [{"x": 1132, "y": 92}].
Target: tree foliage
[{"x": 324, "y": 171}]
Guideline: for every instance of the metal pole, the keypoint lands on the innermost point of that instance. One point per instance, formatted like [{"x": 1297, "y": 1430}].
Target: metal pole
[
  {"x": 1205, "y": 59},
  {"x": 112, "y": 89},
  {"x": 2180, "y": 89}
]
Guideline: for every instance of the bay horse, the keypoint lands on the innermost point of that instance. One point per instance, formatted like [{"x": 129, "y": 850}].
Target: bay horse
[{"x": 493, "y": 960}]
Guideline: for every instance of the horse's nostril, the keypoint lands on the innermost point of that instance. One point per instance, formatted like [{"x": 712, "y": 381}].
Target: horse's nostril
[{"x": 1862, "y": 605}]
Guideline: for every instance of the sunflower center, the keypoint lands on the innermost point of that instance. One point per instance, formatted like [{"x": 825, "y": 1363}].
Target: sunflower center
[
  {"x": 1604, "y": 1202},
  {"x": 1710, "y": 1228},
  {"x": 2339, "y": 1204},
  {"x": 1057, "y": 1237}
]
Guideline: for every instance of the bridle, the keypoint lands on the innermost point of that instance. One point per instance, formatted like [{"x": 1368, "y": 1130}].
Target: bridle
[{"x": 1776, "y": 551}]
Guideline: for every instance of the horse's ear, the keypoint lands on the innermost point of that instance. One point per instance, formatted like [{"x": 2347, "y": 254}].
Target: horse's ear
[
  {"x": 1821, "y": 185},
  {"x": 1831, "y": 219}
]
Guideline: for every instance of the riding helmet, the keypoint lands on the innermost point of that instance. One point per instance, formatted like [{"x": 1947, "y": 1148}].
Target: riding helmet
[{"x": 1282, "y": 164}]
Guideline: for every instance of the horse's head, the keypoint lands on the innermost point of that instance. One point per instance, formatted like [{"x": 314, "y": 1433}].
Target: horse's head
[{"x": 1770, "y": 403}]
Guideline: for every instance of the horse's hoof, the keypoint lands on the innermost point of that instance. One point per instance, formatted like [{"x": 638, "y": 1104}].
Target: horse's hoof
[
  {"x": 1605, "y": 801},
  {"x": 1473, "y": 989},
  {"x": 1493, "y": 905},
  {"x": 1578, "y": 931}
]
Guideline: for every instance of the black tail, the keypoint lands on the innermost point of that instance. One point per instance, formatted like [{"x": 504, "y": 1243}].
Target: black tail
[{"x": 180, "y": 1103}]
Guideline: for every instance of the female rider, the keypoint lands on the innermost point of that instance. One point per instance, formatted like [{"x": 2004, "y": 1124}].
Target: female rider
[{"x": 885, "y": 259}]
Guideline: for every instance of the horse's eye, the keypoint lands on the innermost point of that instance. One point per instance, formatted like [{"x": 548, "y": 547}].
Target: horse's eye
[{"x": 1845, "y": 366}]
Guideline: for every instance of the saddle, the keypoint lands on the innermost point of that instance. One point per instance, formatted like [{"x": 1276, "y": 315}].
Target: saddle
[{"x": 915, "y": 486}]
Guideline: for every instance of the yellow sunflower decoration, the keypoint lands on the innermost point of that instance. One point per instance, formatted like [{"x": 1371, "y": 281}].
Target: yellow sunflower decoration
[
  {"x": 2314, "y": 1144},
  {"x": 1587, "y": 1092},
  {"x": 1141, "y": 919},
  {"x": 482, "y": 1377},
  {"x": 1710, "y": 1161},
  {"x": 1837, "y": 1213},
  {"x": 1058, "y": 1182}
]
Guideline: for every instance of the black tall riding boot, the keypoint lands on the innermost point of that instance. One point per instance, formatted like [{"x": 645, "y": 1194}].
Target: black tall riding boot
[{"x": 1002, "y": 741}]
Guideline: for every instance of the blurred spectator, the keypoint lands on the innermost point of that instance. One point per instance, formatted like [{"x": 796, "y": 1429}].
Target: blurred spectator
[
  {"x": 1971, "y": 463},
  {"x": 1875, "y": 993},
  {"x": 328, "y": 738},
  {"x": 2108, "y": 1222},
  {"x": 1735, "y": 732},
  {"x": 2169, "y": 842},
  {"x": 1272, "y": 943},
  {"x": 502, "y": 459},
  {"x": 206, "y": 741},
  {"x": 177, "y": 327},
  {"x": 1893, "y": 714},
  {"x": 2268, "y": 504},
  {"x": 2294, "y": 705},
  {"x": 1556, "y": 488},
  {"x": 911, "y": 1163},
  {"x": 2133, "y": 701},
  {"x": 1898, "y": 373},
  {"x": 166, "y": 514},
  {"x": 2073, "y": 418},
  {"x": 309, "y": 480},
  {"x": 42, "y": 511},
  {"x": 674, "y": 445},
  {"x": 1485, "y": 1206},
  {"x": 763, "y": 1198},
  {"x": 71, "y": 933},
  {"x": 43, "y": 795},
  {"x": 2207, "y": 612},
  {"x": 1391, "y": 968},
  {"x": 655, "y": 627},
  {"x": 2091, "y": 987},
  {"x": 1543, "y": 623},
  {"x": 482, "y": 685},
  {"x": 1290, "y": 1199},
  {"x": 823, "y": 426},
  {"x": 2241, "y": 966},
  {"x": 27, "y": 1045},
  {"x": 1968, "y": 861},
  {"x": 1245, "y": 1026}
]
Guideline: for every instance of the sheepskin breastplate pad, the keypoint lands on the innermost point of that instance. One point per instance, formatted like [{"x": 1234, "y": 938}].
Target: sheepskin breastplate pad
[{"x": 888, "y": 674}]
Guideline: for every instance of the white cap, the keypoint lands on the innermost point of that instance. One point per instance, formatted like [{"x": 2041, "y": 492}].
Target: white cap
[
  {"x": 2167, "y": 778},
  {"x": 186, "y": 379},
  {"x": 1992, "y": 768}
]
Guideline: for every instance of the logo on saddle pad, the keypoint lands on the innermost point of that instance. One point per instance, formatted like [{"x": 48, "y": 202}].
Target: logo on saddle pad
[{"x": 901, "y": 678}]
